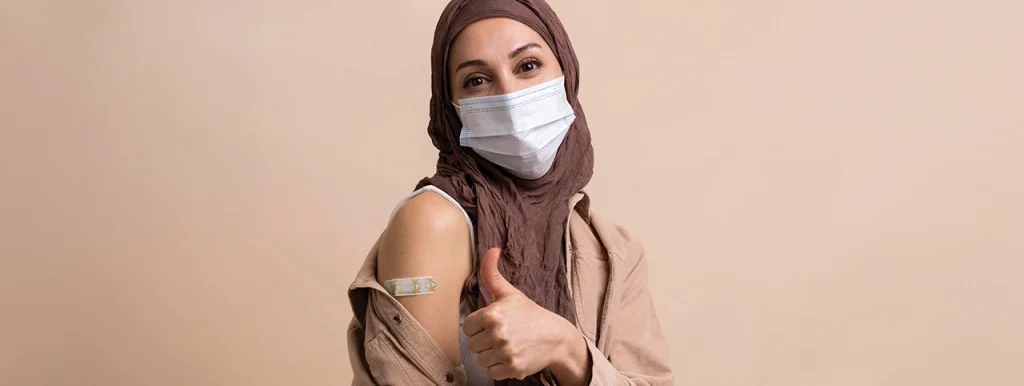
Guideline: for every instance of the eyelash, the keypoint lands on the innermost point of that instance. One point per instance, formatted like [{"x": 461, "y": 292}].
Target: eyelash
[
  {"x": 534, "y": 61},
  {"x": 537, "y": 64}
]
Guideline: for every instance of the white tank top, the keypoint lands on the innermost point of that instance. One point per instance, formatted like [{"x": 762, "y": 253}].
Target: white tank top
[{"x": 475, "y": 373}]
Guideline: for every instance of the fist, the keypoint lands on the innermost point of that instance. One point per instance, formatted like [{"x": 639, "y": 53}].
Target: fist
[{"x": 514, "y": 337}]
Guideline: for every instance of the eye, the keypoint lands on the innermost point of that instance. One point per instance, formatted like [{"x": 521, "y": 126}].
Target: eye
[
  {"x": 529, "y": 65},
  {"x": 474, "y": 81}
]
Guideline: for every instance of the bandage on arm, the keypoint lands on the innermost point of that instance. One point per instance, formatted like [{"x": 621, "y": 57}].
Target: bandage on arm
[
  {"x": 411, "y": 286},
  {"x": 428, "y": 237}
]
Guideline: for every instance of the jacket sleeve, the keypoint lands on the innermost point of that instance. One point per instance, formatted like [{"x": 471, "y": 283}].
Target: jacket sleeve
[
  {"x": 639, "y": 353},
  {"x": 360, "y": 371}
]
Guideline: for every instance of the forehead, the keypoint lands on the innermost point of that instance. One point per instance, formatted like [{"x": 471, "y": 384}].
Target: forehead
[{"x": 492, "y": 37}]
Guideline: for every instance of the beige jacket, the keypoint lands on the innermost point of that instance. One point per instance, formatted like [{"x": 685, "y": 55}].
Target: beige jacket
[{"x": 608, "y": 277}]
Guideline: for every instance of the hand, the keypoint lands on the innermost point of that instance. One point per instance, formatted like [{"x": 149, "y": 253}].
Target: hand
[{"x": 513, "y": 337}]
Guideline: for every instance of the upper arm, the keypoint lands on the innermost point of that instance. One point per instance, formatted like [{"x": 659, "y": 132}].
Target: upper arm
[{"x": 429, "y": 236}]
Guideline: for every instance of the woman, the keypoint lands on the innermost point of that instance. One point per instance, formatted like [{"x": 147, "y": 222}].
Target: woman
[{"x": 518, "y": 282}]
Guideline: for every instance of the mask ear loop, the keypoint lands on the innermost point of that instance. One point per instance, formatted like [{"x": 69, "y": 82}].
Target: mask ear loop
[
  {"x": 464, "y": 133},
  {"x": 458, "y": 109}
]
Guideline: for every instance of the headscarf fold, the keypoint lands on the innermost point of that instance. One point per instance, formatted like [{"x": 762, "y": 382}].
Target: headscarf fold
[{"x": 526, "y": 218}]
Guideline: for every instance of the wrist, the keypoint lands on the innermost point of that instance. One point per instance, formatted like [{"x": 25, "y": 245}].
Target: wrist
[{"x": 571, "y": 365}]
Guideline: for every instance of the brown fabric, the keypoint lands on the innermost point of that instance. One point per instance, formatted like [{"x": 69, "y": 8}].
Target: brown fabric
[
  {"x": 524, "y": 217},
  {"x": 608, "y": 274}
]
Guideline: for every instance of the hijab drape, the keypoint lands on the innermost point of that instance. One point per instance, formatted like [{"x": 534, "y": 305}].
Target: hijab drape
[{"x": 526, "y": 218}]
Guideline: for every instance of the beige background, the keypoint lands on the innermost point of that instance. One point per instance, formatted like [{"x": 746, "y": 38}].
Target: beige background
[{"x": 830, "y": 191}]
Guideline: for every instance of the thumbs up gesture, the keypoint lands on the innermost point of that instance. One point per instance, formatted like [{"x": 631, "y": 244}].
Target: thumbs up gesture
[
  {"x": 491, "y": 278},
  {"x": 514, "y": 337}
]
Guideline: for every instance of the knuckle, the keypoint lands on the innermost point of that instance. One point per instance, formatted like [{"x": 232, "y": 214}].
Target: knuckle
[
  {"x": 516, "y": 365},
  {"x": 500, "y": 335},
  {"x": 501, "y": 341},
  {"x": 492, "y": 317},
  {"x": 507, "y": 355}
]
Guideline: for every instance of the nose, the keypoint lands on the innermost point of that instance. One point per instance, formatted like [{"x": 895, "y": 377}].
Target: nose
[
  {"x": 509, "y": 83},
  {"x": 505, "y": 86}
]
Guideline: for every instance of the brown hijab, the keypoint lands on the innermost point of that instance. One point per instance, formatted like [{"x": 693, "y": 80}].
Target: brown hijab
[{"x": 526, "y": 218}]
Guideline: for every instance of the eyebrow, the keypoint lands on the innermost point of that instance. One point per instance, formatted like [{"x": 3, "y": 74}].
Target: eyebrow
[
  {"x": 474, "y": 62},
  {"x": 520, "y": 50},
  {"x": 512, "y": 55}
]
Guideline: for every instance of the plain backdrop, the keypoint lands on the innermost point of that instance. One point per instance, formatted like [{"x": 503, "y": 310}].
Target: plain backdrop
[{"x": 830, "y": 191}]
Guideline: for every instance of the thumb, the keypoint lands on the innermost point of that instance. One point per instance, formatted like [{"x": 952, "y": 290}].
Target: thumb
[{"x": 491, "y": 277}]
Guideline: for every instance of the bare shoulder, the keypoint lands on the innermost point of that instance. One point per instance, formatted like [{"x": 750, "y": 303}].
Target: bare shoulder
[
  {"x": 428, "y": 211},
  {"x": 429, "y": 236},
  {"x": 427, "y": 233}
]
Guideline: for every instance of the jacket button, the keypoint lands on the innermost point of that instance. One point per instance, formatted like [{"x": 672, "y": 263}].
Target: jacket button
[
  {"x": 449, "y": 378},
  {"x": 397, "y": 319}
]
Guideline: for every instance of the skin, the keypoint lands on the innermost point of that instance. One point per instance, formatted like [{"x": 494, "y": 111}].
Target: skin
[
  {"x": 429, "y": 237},
  {"x": 479, "y": 61},
  {"x": 513, "y": 336}
]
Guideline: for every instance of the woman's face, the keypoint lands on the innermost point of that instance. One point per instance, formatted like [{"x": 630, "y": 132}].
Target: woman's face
[{"x": 498, "y": 56}]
